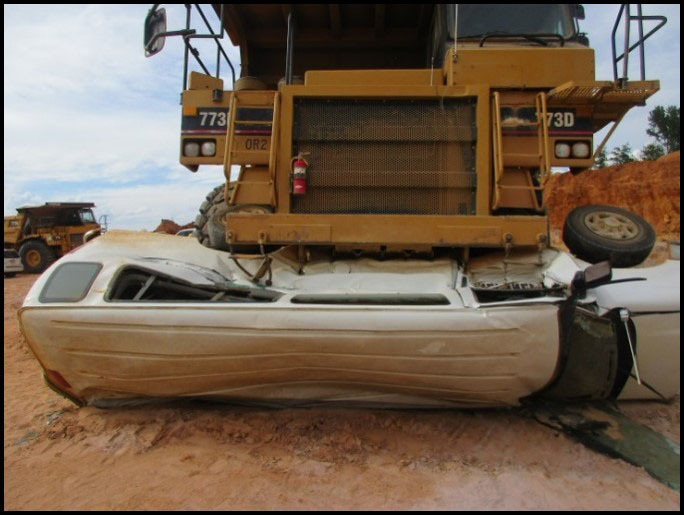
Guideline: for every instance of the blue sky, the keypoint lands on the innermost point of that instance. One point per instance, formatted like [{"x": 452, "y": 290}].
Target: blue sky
[{"x": 89, "y": 118}]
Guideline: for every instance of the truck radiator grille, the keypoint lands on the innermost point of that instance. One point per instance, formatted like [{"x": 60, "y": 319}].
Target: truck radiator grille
[
  {"x": 387, "y": 156},
  {"x": 76, "y": 240}
]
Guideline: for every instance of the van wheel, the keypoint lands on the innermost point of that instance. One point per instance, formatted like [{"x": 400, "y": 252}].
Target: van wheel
[
  {"x": 598, "y": 233},
  {"x": 36, "y": 256}
]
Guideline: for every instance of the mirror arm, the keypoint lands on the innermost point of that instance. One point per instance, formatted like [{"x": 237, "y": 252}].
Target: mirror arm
[{"x": 184, "y": 33}]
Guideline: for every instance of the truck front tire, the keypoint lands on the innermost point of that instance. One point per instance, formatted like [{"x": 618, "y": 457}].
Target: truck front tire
[{"x": 36, "y": 256}]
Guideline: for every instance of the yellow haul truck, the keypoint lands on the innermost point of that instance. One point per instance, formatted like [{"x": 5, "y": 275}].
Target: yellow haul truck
[
  {"x": 42, "y": 234},
  {"x": 403, "y": 127}
]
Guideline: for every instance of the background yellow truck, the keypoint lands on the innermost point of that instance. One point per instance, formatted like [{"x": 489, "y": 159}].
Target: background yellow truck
[{"x": 44, "y": 233}]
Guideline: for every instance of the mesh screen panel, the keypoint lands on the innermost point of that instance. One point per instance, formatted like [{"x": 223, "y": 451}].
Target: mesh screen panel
[
  {"x": 387, "y": 156},
  {"x": 76, "y": 239}
]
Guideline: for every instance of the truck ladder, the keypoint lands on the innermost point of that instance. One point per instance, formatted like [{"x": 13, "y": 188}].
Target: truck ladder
[
  {"x": 257, "y": 160},
  {"x": 502, "y": 161}
]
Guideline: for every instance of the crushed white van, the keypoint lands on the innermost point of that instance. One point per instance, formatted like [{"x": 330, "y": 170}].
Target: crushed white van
[{"x": 133, "y": 315}]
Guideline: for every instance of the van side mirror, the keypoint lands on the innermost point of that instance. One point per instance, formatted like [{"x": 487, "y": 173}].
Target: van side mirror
[
  {"x": 155, "y": 27},
  {"x": 595, "y": 275}
]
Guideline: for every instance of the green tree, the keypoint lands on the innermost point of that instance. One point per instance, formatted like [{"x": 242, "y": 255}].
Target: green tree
[
  {"x": 652, "y": 151},
  {"x": 663, "y": 125},
  {"x": 601, "y": 159},
  {"x": 622, "y": 155}
]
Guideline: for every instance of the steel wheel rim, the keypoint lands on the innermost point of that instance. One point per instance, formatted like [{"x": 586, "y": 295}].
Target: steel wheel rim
[
  {"x": 611, "y": 225},
  {"x": 33, "y": 258}
]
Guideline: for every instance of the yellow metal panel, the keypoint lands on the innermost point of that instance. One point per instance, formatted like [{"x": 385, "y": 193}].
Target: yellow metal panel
[
  {"x": 201, "y": 81},
  {"x": 296, "y": 233},
  {"x": 520, "y": 67},
  {"x": 203, "y": 98},
  {"x": 374, "y": 77},
  {"x": 516, "y": 189},
  {"x": 12, "y": 228},
  {"x": 249, "y": 158},
  {"x": 248, "y": 98},
  {"x": 253, "y": 186},
  {"x": 483, "y": 153},
  {"x": 485, "y": 231}
]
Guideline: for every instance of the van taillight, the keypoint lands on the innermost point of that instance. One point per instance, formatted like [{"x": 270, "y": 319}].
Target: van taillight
[{"x": 57, "y": 379}]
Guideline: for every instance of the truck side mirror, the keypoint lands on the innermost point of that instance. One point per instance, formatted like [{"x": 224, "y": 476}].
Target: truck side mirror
[
  {"x": 579, "y": 11},
  {"x": 155, "y": 27}
]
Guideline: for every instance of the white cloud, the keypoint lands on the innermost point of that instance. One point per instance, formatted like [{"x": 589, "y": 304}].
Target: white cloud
[
  {"x": 88, "y": 117},
  {"x": 143, "y": 207}
]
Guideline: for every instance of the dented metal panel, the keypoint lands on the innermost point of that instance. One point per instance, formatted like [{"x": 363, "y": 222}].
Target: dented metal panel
[{"x": 316, "y": 353}]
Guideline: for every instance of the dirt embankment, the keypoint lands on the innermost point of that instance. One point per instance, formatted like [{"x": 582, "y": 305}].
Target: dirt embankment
[
  {"x": 190, "y": 455},
  {"x": 650, "y": 189},
  {"x": 171, "y": 227}
]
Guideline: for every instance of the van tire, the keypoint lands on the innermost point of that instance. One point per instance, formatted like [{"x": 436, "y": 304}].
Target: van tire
[{"x": 598, "y": 233}]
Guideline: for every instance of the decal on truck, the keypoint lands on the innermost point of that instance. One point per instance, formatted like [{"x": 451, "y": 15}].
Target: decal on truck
[
  {"x": 521, "y": 121},
  {"x": 212, "y": 120},
  {"x": 208, "y": 120}
]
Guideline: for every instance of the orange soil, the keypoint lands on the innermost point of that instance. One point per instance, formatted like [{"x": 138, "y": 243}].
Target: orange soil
[
  {"x": 188, "y": 455},
  {"x": 171, "y": 227}
]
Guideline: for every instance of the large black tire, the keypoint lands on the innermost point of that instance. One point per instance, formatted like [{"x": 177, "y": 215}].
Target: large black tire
[
  {"x": 36, "y": 256},
  {"x": 598, "y": 233},
  {"x": 214, "y": 202},
  {"x": 216, "y": 226},
  {"x": 210, "y": 224}
]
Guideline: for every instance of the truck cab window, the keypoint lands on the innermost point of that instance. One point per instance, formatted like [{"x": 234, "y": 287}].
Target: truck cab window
[{"x": 476, "y": 20}]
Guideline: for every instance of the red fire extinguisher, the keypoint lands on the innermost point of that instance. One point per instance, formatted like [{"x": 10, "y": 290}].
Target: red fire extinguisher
[{"x": 299, "y": 165}]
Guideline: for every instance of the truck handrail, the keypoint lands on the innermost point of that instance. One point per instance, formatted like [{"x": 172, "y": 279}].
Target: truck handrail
[
  {"x": 639, "y": 18},
  {"x": 189, "y": 34}
]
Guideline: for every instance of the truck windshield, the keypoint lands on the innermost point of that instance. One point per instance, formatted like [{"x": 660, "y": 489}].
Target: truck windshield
[
  {"x": 477, "y": 20},
  {"x": 87, "y": 216}
]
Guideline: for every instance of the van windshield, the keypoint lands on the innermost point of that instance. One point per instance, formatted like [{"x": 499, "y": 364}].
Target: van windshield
[{"x": 477, "y": 20}]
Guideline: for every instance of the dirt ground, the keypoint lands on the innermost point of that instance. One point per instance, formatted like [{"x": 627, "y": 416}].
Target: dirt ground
[{"x": 207, "y": 456}]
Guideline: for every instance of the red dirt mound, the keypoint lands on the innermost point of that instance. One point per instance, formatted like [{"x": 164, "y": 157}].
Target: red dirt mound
[
  {"x": 171, "y": 227},
  {"x": 647, "y": 188}
]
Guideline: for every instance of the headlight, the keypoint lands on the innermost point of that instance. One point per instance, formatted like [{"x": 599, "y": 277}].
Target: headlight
[
  {"x": 562, "y": 150},
  {"x": 208, "y": 148},
  {"x": 191, "y": 149},
  {"x": 580, "y": 150}
]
